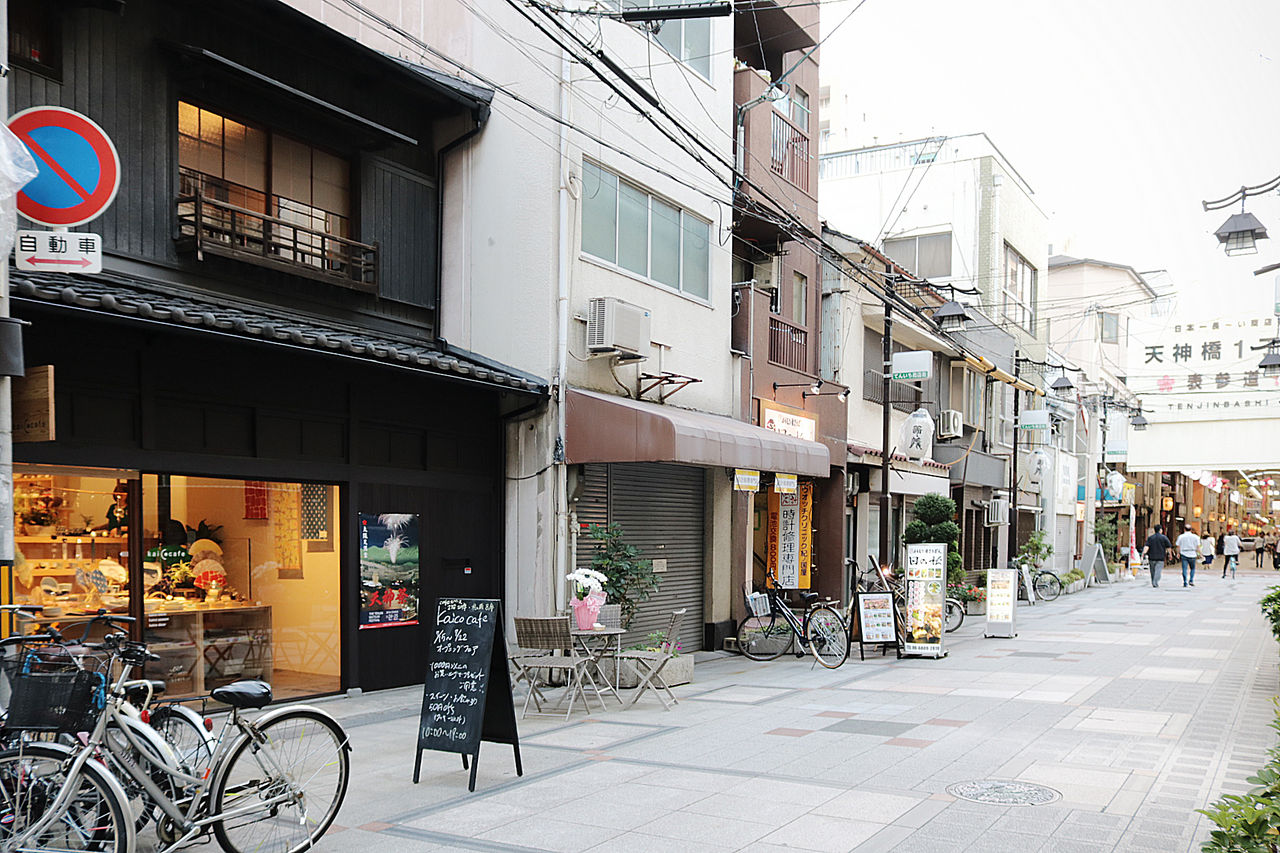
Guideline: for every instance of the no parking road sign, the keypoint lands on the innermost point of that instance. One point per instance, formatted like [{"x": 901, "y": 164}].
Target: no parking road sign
[{"x": 79, "y": 168}]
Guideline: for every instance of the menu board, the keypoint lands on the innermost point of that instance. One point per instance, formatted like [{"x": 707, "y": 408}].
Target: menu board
[
  {"x": 926, "y": 591},
  {"x": 1002, "y": 592},
  {"x": 466, "y": 696},
  {"x": 875, "y": 619}
]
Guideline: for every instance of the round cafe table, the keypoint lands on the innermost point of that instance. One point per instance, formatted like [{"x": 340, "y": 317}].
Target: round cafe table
[{"x": 595, "y": 643}]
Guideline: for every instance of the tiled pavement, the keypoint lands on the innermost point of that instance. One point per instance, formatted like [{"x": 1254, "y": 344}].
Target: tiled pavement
[{"x": 1138, "y": 705}]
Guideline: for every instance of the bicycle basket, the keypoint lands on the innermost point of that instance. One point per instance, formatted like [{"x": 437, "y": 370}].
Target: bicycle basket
[
  {"x": 68, "y": 701},
  {"x": 758, "y": 602}
]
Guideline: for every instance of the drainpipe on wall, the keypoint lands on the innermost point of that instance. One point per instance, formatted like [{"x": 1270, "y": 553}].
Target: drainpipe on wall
[{"x": 480, "y": 114}]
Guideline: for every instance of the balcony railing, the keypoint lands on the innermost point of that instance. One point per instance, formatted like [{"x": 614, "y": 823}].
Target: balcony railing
[
  {"x": 788, "y": 345},
  {"x": 220, "y": 227},
  {"x": 789, "y": 152}
]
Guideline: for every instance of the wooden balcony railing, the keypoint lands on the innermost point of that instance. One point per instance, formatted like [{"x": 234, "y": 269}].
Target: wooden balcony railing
[
  {"x": 207, "y": 224},
  {"x": 788, "y": 345},
  {"x": 789, "y": 151}
]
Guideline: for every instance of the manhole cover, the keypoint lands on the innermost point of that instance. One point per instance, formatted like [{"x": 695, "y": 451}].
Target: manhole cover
[{"x": 1003, "y": 792}]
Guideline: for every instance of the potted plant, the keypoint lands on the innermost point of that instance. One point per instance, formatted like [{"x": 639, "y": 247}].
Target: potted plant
[
  {"x": 1036, "y": 550},
  {"x": 973, "y": 596},
  {"x": 629, "y": 579},
  {"x": 588, "y": 596},
  {"x": 679, "y": 670},
  {"x": 933, "y": 523}
]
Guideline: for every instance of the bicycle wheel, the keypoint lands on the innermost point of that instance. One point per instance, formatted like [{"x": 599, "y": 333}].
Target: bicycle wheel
[
  {"x": 1048, "y": 586},
  {"x": 95, "y": 819},
  {"x": 825, "y": 634},
  {"x": 303, "y": 758},
  {"x": 764, "y": 637},
  {"x": 183, "y": 730},
  {"x": 954, "y": 614}
]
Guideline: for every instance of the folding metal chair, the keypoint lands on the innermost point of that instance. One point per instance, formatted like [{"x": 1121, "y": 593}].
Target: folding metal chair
[
  {"x": 540, "y": 638},
  {"x": 648, "y": 665}
]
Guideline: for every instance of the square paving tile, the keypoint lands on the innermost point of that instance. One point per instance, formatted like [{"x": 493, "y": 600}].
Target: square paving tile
[
  {"x": 741, "y": 694},
  {"x": 860, "y": 726}
]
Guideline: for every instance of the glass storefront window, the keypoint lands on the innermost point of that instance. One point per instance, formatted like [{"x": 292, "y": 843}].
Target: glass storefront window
[{"x": 240, "y": 579}]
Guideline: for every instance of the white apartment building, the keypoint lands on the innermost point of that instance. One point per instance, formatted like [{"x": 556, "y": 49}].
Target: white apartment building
[{"x": 568, "y": 197}]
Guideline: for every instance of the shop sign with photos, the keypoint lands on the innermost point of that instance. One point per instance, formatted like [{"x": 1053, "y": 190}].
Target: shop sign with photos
[{"x": 926, "y": 592}]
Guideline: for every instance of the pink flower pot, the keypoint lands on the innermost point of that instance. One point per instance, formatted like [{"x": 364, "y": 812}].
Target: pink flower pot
[{"x": 585, "y": 610}]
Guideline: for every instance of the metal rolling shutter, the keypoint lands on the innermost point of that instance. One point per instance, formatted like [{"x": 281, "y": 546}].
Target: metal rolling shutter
[
  {"x": 592, "y": 507},
  {"x": 661, "y": 508}
]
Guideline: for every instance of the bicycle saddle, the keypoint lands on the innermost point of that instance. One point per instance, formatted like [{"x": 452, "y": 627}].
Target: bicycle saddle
[
  {"x": 243, "y": 694},
  {"x": 138, "y": 692},
  {"x": 808, "y": 598}
]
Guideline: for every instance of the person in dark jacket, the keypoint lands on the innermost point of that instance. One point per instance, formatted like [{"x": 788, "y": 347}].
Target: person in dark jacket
[{"x": 1156, "y": 550}]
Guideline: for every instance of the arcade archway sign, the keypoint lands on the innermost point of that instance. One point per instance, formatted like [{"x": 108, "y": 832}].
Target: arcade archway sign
[{"x": 78, "y": 178}]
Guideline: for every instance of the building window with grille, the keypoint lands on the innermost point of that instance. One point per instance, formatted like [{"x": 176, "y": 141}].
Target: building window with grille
[
  {"x": 1018, "y": 286},
  {"x": 265, "y": 192}
]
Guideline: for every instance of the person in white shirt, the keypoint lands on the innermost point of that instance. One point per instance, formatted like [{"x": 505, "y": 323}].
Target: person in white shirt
[
  {"x": 1207, "y": 546},
  {"x": 1189, "y": 549},
  {"x": 1230, "y": 550}
]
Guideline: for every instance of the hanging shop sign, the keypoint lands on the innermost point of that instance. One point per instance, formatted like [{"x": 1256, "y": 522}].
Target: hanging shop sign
[
  {"x": 1067, "y": 476},
  {"x": 1135, "y": 557},
  {"x": 1002, "y": 602},
  {"x": 788, "y": 421},
  {"x": 790, "y": 538},
  {"x": 388, "y": 569},
  {"x": 911, "y": 366},
  {"x": 1117, "y": 447},
  {"x": 926, "y": 591},
  {"x": 745, "y": 480},
  {"x": 916, "y": 437},
  {"x": 33, "y": 417},
  {"x": 784, "y": 483},
  {"x": 1033, "y": 419}
]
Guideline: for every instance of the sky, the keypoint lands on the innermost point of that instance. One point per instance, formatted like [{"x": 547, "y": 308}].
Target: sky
[{"x": 1122, "y": 115}]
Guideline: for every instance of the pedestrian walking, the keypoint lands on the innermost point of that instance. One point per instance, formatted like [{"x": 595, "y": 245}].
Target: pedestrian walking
[
  {"x": 1156, "y": 550},
  {"x": 1208, "y": 548},
  {"x": 1189, "y": 550},
  {"x": 1258, "y": 551},
  {"x": 1230, "y": 550}
]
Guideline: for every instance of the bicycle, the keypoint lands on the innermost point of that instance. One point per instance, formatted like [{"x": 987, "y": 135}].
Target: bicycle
[
  {"x": 1045, "y": 583},
  {"x": 771, "y": 628},
  {"x": 273, "y": 784},
  {"x": 881, "y": 580}
]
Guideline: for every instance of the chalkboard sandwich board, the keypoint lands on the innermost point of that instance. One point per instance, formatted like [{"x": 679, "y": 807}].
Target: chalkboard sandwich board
[{"x": 466, "y": 696}]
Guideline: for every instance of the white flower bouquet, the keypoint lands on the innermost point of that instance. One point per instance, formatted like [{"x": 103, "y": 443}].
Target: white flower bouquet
[{"x": 586, "y": 581}]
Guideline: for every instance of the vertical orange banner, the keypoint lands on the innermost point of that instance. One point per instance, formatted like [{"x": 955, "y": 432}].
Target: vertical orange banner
[
  {"x": 772, "y": 565},
  {"x": 806, "y": 531}
]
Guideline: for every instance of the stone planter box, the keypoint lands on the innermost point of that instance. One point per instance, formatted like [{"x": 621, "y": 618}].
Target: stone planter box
[
  {"x": 679, "y": 670},
  {"x": 975, "y": 608},
  {"x": 1074, "y": 587}
]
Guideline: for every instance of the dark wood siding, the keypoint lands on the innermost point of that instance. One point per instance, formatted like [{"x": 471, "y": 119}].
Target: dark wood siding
[{"x": 398, "y": 212}]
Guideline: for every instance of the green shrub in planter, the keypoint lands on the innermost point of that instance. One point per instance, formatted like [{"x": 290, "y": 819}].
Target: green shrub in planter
[
  {"x": 933, "y": 523},
  {"x": 1271, "y": 609}
]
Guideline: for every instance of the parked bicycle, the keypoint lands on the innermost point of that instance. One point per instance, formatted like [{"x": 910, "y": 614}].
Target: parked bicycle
[
  {"x": 1045, "y": 583},
  {"x": 273, "y": 784},
  {"x": 772, "y": 628},
  {"x": 877, "y": 578}
]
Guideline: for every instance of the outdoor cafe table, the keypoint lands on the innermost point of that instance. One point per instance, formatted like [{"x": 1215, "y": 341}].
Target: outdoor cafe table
[{"x": 595, "y": 643}]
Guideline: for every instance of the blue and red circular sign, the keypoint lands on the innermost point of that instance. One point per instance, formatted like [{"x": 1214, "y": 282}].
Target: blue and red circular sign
[{"x": 79, "y": 168}]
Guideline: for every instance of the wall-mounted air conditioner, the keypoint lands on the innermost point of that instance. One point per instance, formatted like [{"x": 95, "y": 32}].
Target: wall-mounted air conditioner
[
  {"x": 997, "y": 512},
  {"x": 768, "y": 274},
  {"x": 617, "y": 326},
  {"x": 950, "y": 424}
]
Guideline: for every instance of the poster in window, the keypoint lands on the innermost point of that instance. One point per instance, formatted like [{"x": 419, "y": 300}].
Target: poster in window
[{"x": 388, "y": 569}]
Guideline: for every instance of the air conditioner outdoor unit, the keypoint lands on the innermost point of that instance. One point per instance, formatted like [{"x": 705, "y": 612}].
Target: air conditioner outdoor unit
[
  {"x": 950, "y": 424},
  {"x": 617, "y": 326},
  {"x": 997, "y": 512}
]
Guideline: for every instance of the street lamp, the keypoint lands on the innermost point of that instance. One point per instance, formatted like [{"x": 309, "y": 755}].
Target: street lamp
[
  {"x": 1270, "y": 364},
  {"x": 1062, "y": 384},
  {"x": 1138, "y": 422},
  {"x": 951, "y": 316},
  {"x": 814, "y": 386},
  {"x": 1240, "y": 233}
]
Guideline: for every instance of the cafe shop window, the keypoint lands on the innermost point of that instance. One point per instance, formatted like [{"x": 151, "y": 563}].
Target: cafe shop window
[
  {"x": 301, "y": 193},
  {"x": 241, "y": 579}
]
